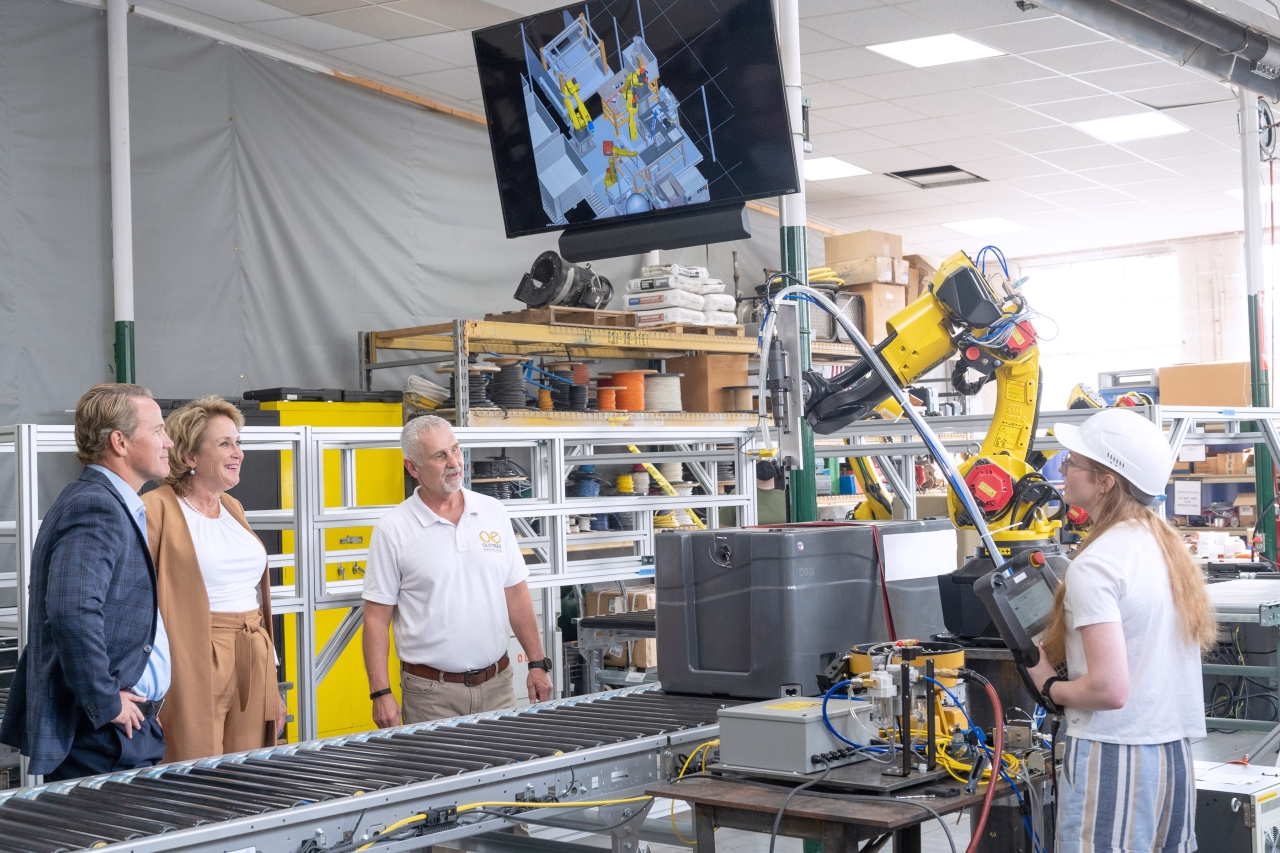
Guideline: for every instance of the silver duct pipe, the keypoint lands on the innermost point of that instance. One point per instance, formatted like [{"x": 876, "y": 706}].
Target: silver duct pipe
[
  {"x": 1221, "y": 32},
  {"x": 1123, "y": 23}
]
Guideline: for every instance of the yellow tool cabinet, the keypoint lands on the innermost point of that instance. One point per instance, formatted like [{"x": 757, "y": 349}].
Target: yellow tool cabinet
[{"x": 342, "y": 699}]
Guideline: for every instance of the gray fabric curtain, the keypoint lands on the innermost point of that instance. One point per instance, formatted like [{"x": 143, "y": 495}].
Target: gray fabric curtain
[{"x": 277, "y": 212}]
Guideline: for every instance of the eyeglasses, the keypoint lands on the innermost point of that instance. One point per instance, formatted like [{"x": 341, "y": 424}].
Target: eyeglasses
[{"x": 1069, "y": 461}]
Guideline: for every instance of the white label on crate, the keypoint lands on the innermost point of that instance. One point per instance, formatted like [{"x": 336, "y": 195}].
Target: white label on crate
[
  {"x": 1186, "y": 497},
  {"x": 244, "y": 850},
  {"x": 1191, "y": 453},
  {"x": 925, "y": 554},
  {"x": 615, "y": 651},
  {"x": 595, "y": 780},
  {"x": 634, "y": 677}
]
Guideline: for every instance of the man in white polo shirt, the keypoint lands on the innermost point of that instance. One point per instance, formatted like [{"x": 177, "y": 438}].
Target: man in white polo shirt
[{"x": 446, "y": 568}]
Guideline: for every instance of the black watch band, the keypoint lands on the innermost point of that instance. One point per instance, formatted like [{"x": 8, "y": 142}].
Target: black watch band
[
  {"x": 386, "y": 691},
  {"x": 1046, "y": 701},
  {"x": 544, "y": 664}
]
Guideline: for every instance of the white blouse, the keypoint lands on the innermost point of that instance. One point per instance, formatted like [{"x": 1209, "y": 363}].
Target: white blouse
[{"x": 231, "y": 560}]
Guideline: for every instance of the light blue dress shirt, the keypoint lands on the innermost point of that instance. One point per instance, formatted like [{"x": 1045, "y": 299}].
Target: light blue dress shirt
[{"x": 155, "y": 678}]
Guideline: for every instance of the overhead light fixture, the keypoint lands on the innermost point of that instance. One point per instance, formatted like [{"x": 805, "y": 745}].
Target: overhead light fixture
[
  {"x": 1131, "y": 127},
  {"x": 985, "y": 227},
  {"x": 935, "y": 50},
  {"x": 829, "y": 168},
  {"x": 937, "y": 176}
]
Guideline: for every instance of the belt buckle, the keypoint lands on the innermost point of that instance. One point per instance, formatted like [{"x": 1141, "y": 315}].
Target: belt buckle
[{"x": 466, "y": 676}]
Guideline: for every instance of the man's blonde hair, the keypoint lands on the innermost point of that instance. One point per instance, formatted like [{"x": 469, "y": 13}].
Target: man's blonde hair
[
  {"x": 187, "y": 427},
  {"x": 102, "y": 410}
]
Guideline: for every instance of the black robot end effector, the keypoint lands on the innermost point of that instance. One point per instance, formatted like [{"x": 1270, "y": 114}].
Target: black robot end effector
[{"x": 779, "y": 385}]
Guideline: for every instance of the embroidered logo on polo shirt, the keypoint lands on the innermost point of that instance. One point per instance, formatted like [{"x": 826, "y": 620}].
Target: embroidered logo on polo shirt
[{"x": 490, "y": 540}]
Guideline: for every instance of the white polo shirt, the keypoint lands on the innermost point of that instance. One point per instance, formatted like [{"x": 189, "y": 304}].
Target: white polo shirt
[{"x": 447, "y": 583}]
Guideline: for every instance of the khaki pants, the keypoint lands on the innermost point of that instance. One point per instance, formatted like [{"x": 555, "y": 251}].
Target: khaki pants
[
  {"x": 244, "y": 681},
  {"x": 425, "y": 700}
]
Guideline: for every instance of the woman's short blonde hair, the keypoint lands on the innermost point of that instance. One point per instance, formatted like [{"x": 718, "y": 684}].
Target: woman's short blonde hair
[{"x": 187, "y": 427}]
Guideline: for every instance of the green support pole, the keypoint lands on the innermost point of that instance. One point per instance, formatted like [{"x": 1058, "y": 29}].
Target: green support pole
[
  {"x": 803, "y": 490},
  {"x": 125, "y": 368},
  {"x": 1263, "y": 472}
]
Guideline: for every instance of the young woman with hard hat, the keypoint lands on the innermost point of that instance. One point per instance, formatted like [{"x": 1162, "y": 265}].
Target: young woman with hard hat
[{"x": 1130, "y": 619}]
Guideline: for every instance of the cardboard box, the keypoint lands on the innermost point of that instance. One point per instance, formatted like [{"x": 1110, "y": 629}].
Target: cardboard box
[
  {"x": 1181, "y": 467},
  {"x": 1247, "y": 508},
  {"x": 1237, "y": 464},
  {"x": 901, "y": 272},
  {"x": 863, "y": 270},
  {"x": 705, "y": 380},
  {"x": 610, "y": 601},
  {"x": 880, "y": 302},
  {"x": 917, "y": 262},
  {"x": 862, "y": 244},
  {"x": 913, "y": 285},
  {"x": 1219, "y": 383},
  {"x": 1208, "y": 466}
]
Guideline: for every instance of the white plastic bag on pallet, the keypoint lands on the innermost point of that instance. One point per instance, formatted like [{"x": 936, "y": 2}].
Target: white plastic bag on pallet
[
  {"x": 664, "y": 282},
  {"x": 662, "y": 299},
  {"x": 721, "y": 318},
  {"x": 671, "y": 315},
  {"x": 719, "y": 302}
]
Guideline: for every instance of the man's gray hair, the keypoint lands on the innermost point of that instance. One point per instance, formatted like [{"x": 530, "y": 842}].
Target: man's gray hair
[{"x": 409, "y": 443}]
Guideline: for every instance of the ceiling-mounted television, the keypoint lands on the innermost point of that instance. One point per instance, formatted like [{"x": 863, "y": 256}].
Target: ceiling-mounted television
[{"x": 629, "y": 110}]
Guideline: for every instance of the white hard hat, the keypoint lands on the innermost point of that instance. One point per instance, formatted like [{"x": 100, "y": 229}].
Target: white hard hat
[{"x": 1127, "y": 443}]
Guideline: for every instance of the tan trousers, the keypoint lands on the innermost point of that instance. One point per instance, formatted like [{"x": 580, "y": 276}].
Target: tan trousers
[
  {"x": 244, "y": 681},
  {"x": 425, "y": 700}
]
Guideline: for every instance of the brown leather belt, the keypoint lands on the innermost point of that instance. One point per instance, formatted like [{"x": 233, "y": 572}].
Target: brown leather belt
[{"x": 471, "y": 679}]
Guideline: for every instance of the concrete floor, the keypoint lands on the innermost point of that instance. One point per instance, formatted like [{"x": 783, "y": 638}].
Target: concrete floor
[{"x": 1219, "y": 746}]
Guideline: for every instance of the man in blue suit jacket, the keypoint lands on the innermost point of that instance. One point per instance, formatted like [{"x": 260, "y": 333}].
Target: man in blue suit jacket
[{"x": 95, "y": 668}]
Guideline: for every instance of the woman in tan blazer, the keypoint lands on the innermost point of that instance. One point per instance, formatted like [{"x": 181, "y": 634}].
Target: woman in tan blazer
[{"x": 215, "y": 592}]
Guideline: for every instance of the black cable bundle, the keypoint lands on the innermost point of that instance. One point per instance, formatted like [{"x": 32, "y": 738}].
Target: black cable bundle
[
  {"x": 476, "y": 396},
  {"x": 561, "y": 388},
  {"x": 578, "y": 398},
  {"x": 724, "y": 472},
  {"x": 506, "y": 387}
]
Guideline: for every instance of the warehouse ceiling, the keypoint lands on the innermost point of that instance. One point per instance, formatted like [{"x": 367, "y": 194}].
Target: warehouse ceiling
[{"x": 1007, "y": 119}]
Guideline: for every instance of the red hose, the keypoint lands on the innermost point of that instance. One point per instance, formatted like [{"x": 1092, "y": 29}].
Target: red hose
[{"x": 996, "y": 764}]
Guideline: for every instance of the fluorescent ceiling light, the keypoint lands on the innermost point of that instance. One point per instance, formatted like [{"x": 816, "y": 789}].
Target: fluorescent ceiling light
[
  {"x": 1131, "y": 127},
  {"x": 985, "y": 227},
  {"x": 827, "y": 168},
  {"x": 935, "y": 50}
]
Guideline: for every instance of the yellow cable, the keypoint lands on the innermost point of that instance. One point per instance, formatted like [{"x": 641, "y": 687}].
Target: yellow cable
[{"x": 707, "y": 747}]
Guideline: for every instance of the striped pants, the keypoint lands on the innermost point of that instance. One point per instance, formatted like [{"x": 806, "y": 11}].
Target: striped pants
[{"x": 1116, "y": 797}]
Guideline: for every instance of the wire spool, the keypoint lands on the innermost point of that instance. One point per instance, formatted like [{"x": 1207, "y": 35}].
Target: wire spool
[
  {"x": 684, "y": 490},
  {"x": 607, "y": 398},
  {"x": 640, "y": 482},
  {"x": 545, "y": 403},
  {"x": 632, "y": 397},
  {"x": 588, "y": 488},
  {"x": 561, "y": 382},
  {"x": 581, "y": 373},
  {"x": 506, "y": 388},
  {"x": 477, "y": 386},
  {"x": 662, "y": 393},
  {"x": 599, "y": 522},
  {"x": 625, "y": 484},
  {"x": 724, "y": 472},
  {"x": 578, "y": 398},
  {"x": 672, "y": 472}
]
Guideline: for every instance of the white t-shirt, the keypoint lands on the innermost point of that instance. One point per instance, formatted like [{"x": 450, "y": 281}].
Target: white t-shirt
[
  {"x": 1122, "y": 577},
  {"x": 447, "y": 583},
  {"x": 231, "y": 560}
]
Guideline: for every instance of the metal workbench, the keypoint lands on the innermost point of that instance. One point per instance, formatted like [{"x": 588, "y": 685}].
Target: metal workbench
[{"x": 1245, "y": 602}]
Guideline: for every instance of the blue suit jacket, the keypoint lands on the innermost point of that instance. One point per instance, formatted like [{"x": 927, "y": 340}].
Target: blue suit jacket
[{"x": 91, "y": 621}]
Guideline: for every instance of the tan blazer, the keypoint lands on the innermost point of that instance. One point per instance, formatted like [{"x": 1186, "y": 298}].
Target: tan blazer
[{"x": 187, "y": 716}]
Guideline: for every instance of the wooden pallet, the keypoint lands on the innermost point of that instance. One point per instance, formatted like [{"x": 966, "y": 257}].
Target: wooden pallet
[
  {"x": 561, "y": 316},
  {"x": 693, "y": 329}
]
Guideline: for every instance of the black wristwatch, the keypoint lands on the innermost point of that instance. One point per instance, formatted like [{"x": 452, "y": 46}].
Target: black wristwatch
[
  {"x": 544, "y": 664},
  {"x": 386, "y": 691},
  {"x": 1047, "y": 703}
]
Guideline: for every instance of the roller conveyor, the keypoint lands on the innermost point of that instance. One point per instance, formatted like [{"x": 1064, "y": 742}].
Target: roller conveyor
[{"x": 305, "y": 798}]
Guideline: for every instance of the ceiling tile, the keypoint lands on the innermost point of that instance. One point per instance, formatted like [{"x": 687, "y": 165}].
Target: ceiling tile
[
  {"x": 1206, "y": 116},
  {"x": 1202, "y": 164},
  {"x": 1016, "y": 206},
  {"x": 846, "y": 142},
  {"x": 316, "y": 7},
  {"x": 914, "y": 199},
  {"x": 390, "y": 59},
  {"x": 454, "y": 47},
  {"x": 848, "y": 206},
  {"x": 1002, "y": 121},
  {"x": 901, "y": 84},
  {"x": 1183, "y": 94},
  {"x": 1124, "y": 211},
  {"x": 381, "y": 23},
  {"x": 461, "y": 83},
  {"x": 914, "y": 132},
  {"x": 1228, "y": 136},
  {"x": 1089, "y": 197},
  {"x": 1175, "y": 145},
  {"x": 311, "y": 33},
  {"x": 965, "y": 148},
  {"x": 1153, "y": 190},
  {"x": 813, "y": 8},
  {"x": 1093, "y": 157},
  {"x": 235, "y": 11},
  {"x": 824, "y": 95},
  {"x": 1129, "y": 173},
  {"x": 846, "y": 62},
  {"x": 1043, "y": 185},
  {"x": 1003, "y": 168},
  {"x": 813, "y": 41},
  {"x": 819, "y": 123},
  {"x": 991, "y": 71},
  {"x": 1047, "y": 90},
  {"x": 1083, "y": 58},
  {"x": 456, "y": 14},
  {"x": 816, "y": 191},
  {"x": 972, "y": 193},
  {"x": 1223, "y": 181},
  {"x": 1083, "y": 109},
  {"x": 875, "y": 25},
  {"x": 1147, "y": 76},
  {"x": 1038, "y": 34},
  {"x": 870, "y": 114},
  {"x": 1199, "y": 202},
  {"x": 954, "y": 103},
  {"x": 896, "y": 159},
  {"x": 889, "y": 221},
  {"x": 874, "y": 184},
  {"x": 970, "y": 14},
  {"x": 1047, "y": 139}
]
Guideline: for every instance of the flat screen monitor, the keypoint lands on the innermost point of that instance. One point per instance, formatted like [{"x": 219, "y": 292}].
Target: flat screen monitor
[{"x": 628, "y": 109}]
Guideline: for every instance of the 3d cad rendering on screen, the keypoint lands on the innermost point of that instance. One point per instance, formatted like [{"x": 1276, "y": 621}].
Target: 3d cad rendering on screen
[{"x": 635, "y": 155}]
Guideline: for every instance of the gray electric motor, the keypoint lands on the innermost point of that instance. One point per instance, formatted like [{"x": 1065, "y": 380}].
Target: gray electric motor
[{"x": 748, "y": 612}]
